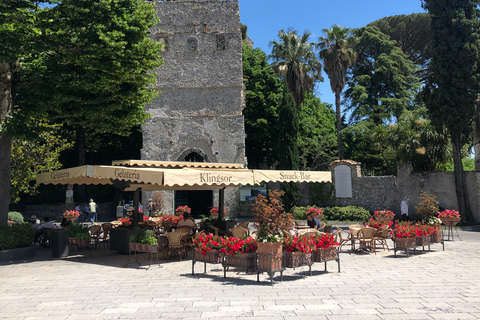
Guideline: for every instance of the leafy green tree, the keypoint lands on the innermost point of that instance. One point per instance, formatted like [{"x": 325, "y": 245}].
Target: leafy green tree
[
  {"x": 452, "y": 89},
  {"x": 413, "y": 34},
  {"x": 288, "y": 157},
  {"x": 18, "y": 31},
  {"x": 33, "y": 156},
  {"x": 415, "y": 140},
  {"x": 294, "y": 59},
  {"x": 317, "y": 142},
  {"x": 96, "y": 78},
  {"x": 337, "y": 49},
  {"x": 262, "y": 96},
  {"x": 381, "y": 84}
]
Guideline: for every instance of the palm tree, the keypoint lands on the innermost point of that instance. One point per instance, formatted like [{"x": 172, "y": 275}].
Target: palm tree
[
  {"x": 337, "y": 50},
  {"x": 295, "y": 59}
]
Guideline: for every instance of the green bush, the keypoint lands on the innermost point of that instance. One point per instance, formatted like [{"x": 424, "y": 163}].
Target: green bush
[
  {"x": 16, "y": 217},
  {"x": 77, "y": 230},
  {"x": 299, "y": 213},
  {"x": 349, "y": 213},
  {"x": 16, "y": 236}
]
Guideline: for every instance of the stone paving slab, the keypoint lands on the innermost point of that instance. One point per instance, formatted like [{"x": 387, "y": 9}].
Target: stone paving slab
[{"x": 429, "y": 285}]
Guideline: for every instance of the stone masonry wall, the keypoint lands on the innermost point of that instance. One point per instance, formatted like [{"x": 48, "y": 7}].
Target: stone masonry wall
[{"x": 376, "y": 193}]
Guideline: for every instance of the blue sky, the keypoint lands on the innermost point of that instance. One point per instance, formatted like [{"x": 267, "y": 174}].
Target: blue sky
[{"x": 265, "y": 18}]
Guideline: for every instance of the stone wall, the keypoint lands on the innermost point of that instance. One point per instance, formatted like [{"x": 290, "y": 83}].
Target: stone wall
[{"x": 374, "y": 193}]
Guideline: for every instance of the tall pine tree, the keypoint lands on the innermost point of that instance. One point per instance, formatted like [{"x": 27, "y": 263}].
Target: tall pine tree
[{"x": 452, "y": 90}]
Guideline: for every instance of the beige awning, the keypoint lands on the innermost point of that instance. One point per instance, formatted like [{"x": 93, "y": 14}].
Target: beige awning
[
  {"x": 77, "y": 175},
  {"x": 290, "y": 175},
  {"x": 151, "y": 178},
  {"x": 176, "y": 164}
]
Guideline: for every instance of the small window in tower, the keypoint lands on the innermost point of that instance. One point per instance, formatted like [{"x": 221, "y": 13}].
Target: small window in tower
[
  {"x": 221, "y": 43},
  {"x": 192, "y": 44},
  {"x": 163, "y": 40}
]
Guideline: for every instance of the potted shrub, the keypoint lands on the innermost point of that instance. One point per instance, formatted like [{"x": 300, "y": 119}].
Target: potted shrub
[
  {"x": 273, "y": 225},
  {"x": 239, "y": 252},
  {"x": 423, "y": 234},
  {"x": 207, "y": 248},
  {"x": 384, "y": 214},
  {"x": 143, "y": 240},
  {"x": 427, "y": 207},
  {"x": 298, "y": 251},
  {"x": 78, "y": 234}
]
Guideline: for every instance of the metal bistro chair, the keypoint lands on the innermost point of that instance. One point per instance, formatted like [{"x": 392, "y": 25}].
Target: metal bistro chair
[{"x": 105, "y": 239}]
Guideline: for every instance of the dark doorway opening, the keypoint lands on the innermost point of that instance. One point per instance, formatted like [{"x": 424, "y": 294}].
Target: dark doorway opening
[{"x": 200, "y": 201}]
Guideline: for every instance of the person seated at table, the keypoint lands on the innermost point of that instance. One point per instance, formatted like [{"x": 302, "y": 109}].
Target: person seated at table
[
  {"x": 47, "y": 224},
  {"x": 313, "y": 222},
  {"x": 187, "y": 222}
]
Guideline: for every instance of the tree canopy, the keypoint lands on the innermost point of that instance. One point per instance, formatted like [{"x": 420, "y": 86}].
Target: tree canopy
[
  {"x": 454, "y": 83},
  {"x": 381, "y": 84},
  {"x": 294, "y": 59}
]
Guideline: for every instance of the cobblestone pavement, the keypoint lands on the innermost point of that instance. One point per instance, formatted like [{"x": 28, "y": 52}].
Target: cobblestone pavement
[{"x": 431, "y": 285}]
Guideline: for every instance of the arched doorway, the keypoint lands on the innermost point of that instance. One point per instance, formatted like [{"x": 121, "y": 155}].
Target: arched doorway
[{"x": 200, "y": 201}]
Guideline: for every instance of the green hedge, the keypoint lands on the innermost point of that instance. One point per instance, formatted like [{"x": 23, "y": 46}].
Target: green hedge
[
  {"x": 349, "y": 213},
  {"x": 16, "y": 236},
  {"x": 16, "y": 217}
]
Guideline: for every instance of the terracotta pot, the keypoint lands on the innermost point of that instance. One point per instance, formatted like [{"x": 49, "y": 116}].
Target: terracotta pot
[
  {"x": 297, "y": 259},
  {"x": 405, "y": 242},
  {"x": 270, "y": 256},
  {"x": 324, "y": 254},
  {"x": 213, "y": 256},
  {"x": 450, "y": 221},
  {"x": 242, "y": 260}
]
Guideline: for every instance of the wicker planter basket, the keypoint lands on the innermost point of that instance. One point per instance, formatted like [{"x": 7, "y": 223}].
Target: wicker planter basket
[
  {"x": 423, "y": 241},
  {"x": 213, "y": 256},
  {"x": 297, "y": 259},
  {"x": 405, "y": 242},
  {"x": 242, "y": 260},
  {"x": 450, "y": 221},
  {"x": 324, "y": 254}
]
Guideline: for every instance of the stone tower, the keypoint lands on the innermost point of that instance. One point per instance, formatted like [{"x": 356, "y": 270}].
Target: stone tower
[{"x": 198, "y": 114}]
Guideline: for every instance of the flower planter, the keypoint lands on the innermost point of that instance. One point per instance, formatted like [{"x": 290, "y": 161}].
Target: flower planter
[
  {"x": 405, "y": 242},
  {"x": 390, "y": 218},
  {"x": 423, "y": 241},
  {"x": 324, "y": 254},
  {"x": 297, "y": 259},
  {"x": 143, "y": 247},
  {"x": 437, "y": 235},
  {"x": 213, "y": 256},
  {"x": 242, "y": 260},
  {"x": 450, "y": 221},
  {"x": 270, "y": 256}
]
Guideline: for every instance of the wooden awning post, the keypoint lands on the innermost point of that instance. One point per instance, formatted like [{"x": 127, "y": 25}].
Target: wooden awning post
[
  {"x": 136, "y": 202},
  {"x": 221, "y": 203}
]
